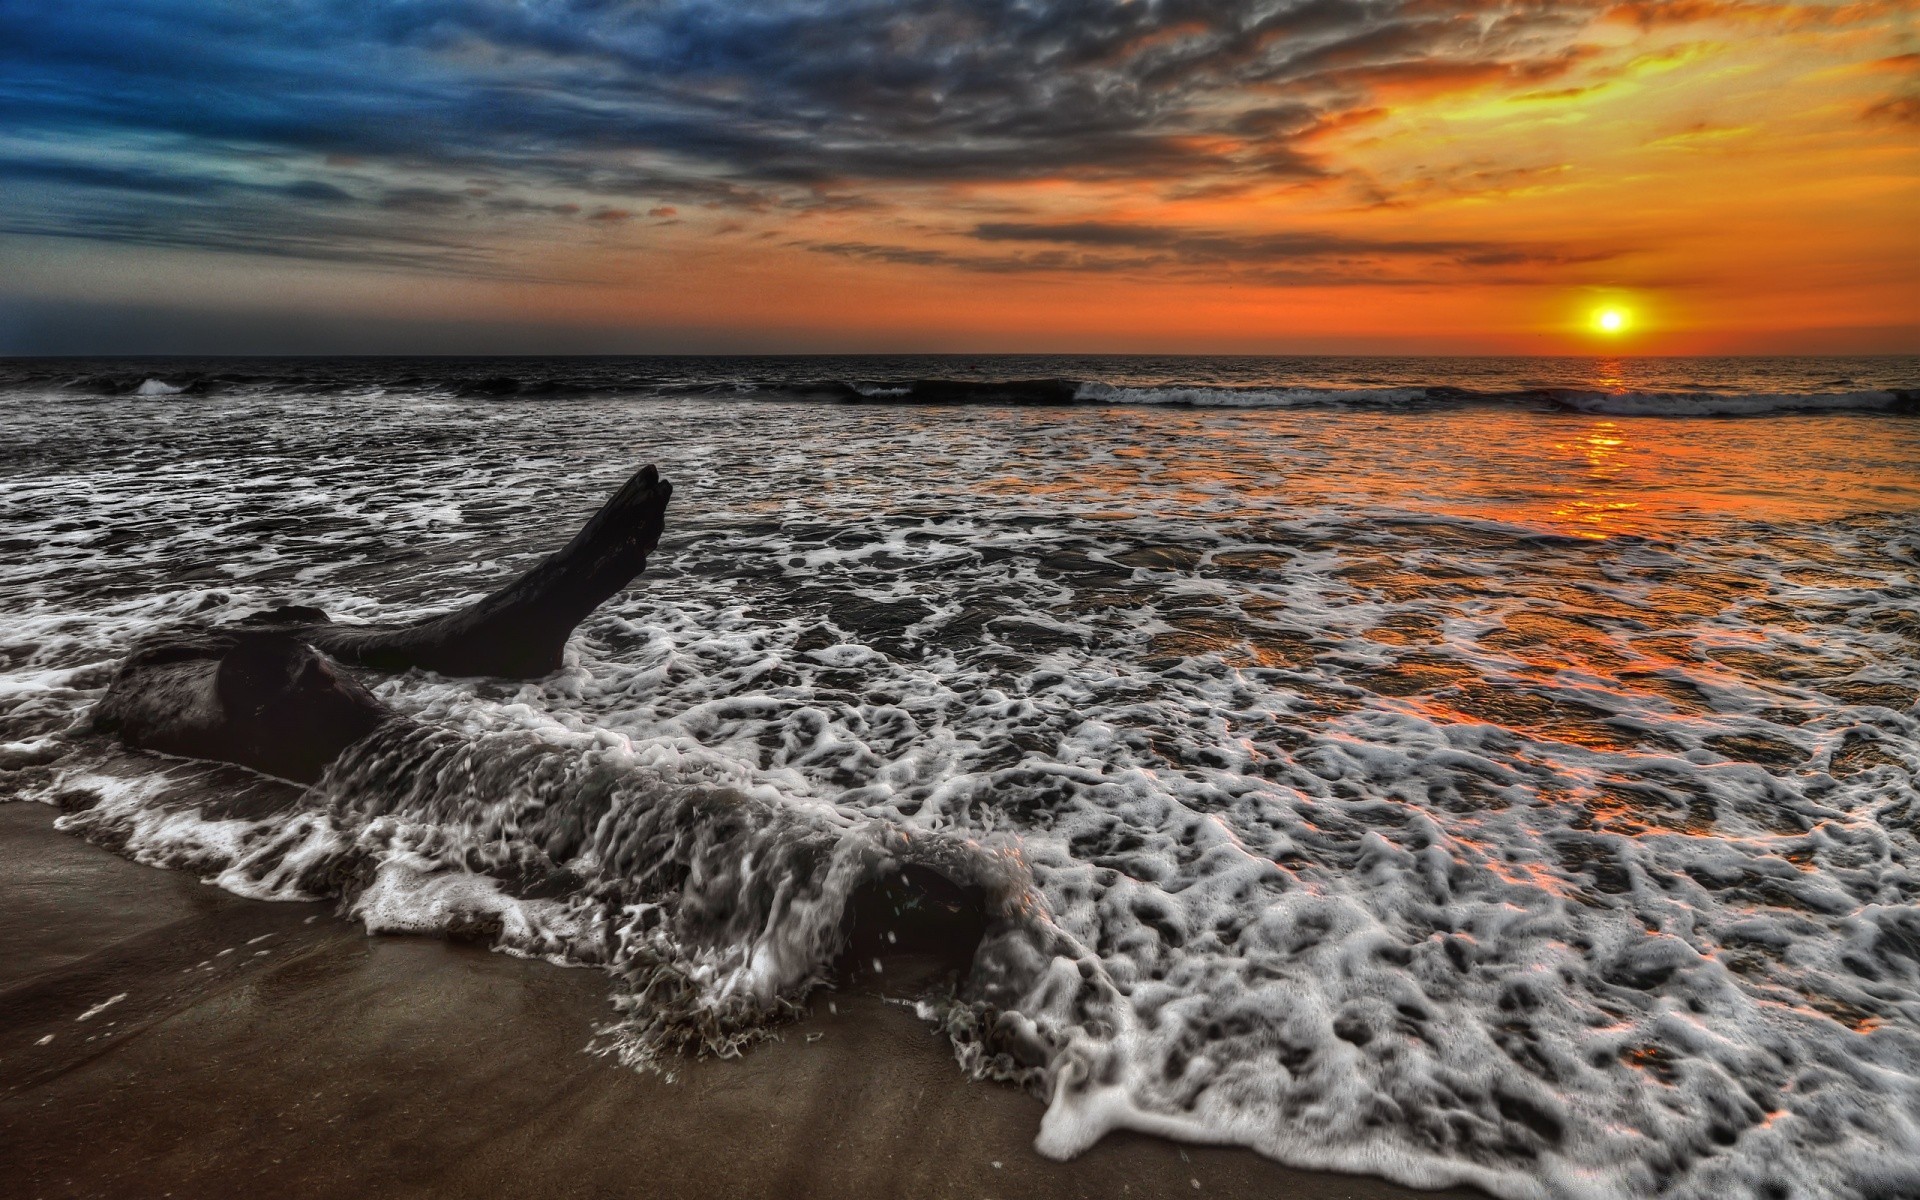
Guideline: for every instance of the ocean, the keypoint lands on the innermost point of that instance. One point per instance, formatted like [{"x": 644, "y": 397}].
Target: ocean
[{"x": 1488, "y": 771}]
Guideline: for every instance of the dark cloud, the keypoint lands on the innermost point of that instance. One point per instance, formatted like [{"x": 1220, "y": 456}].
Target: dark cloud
[
  {"x": 750, "y": 105},
  {"x": 159, "y": 182},
  {"x": 61, "y": 327},
  {"x": 1200, "y": 246},
  {"x": 266, "y": 230},
  {"x": 518, "y": 206},
  {"x": 1902, "y": 109},
  {"x": 1796, "y": 14},
  {"x": 1299, "y": 257},
  {"x": 422, "y": 200},
  {"x": 991, "y": 264}
]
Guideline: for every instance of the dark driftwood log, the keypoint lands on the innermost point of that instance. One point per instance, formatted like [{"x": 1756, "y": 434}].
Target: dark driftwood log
[
  {"x": 255, "y": 697},
  {"x": 266, "y": 695},
  {"x": 520, "y": 630}
]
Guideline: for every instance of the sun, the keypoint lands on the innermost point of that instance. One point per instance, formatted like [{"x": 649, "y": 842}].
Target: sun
[{"x": 1611, "y": 319}]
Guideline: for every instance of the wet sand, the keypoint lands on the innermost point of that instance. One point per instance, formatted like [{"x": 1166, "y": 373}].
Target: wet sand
[{"x": 269, "y": 1050}]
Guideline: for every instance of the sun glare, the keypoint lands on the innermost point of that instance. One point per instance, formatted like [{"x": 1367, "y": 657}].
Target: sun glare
[{"x": 1611, "y": 320}]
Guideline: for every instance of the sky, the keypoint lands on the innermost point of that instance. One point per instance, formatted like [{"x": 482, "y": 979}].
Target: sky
[{"x": 1286, "y": 176}]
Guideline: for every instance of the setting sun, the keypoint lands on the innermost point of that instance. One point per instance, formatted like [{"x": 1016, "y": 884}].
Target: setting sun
[{"x": 1611, "y": 320}]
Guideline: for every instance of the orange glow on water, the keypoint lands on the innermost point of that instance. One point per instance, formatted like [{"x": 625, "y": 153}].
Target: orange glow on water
[{"x": 1591, "y": 477}]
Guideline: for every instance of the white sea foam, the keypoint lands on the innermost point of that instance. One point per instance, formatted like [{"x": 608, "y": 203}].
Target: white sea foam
[
  {"x": 411, "y": 893},
  {"x": 157, "y": 387},
  {"x": 101, "y": 1007},
  {"x": 1506, "y": 797}
]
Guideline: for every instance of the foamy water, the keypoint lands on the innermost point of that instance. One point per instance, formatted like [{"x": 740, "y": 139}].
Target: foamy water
[{"x": 1516, "y": 793}]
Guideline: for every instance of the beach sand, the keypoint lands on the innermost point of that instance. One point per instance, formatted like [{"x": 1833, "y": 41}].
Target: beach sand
[{"x": 263, "y": 1050}]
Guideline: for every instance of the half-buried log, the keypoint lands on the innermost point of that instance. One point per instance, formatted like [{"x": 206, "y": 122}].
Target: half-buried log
[
  {"x": 267, "y": 693},
  {"x": 259, "y": 698},
  {"x": 264, "y": 693},
  {"x": 520, "y": 630}
]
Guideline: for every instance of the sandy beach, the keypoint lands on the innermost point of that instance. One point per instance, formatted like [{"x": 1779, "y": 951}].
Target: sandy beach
[{"x": 307, "y": 1059}]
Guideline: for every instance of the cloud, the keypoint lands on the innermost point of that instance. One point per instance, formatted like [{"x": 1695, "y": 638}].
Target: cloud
[
  {"x": 778, "y": 92},
  {"x": 174, "y": 213},
  {"x": 1290, "y": 258},
  {"x": 1204, "y": 245},
  {"x": 753, "y": 106},
  {"x": 519, "y": 205},
  {"x": 422, "y": 200},
  {"x": 111, "y": 177},
  {"x": 1650, "y": 14},
  {"x": 1201, "y": 246},
  {"x": 989, "y": 264},
  {"x": 1904, "y": 110}
]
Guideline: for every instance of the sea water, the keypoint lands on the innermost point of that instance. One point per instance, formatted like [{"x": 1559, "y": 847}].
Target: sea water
[{"x": 1490, "y": 771}]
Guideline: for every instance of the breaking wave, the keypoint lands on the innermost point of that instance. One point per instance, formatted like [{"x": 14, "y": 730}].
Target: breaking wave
[
  {"x": 1710, "y": 387},
  {"x": 717, "y": 904}
]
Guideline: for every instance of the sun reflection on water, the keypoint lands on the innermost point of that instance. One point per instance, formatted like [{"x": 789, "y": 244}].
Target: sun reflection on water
[
  {"x": 1598, "y": 509},
  {"x": 1556, "y": 472}
]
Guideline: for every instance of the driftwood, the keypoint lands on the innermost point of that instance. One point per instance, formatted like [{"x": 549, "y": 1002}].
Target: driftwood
[
  {"x": 265, "y": 694},
  {"x": 259, "y": 698},
  {"x": 519, "y": 631}
]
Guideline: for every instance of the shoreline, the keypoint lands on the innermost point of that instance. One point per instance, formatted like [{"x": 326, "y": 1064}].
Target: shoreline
[{"x": 241, "y": 1047}]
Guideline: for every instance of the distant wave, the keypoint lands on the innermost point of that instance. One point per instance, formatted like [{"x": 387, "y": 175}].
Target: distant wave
[
  {"x": 1624, "y": 404},
  {"x": 1185, "y": 396},
  {"x": 1685, "y": 404},
  {"x": 1033, "y": 392},
  {"x": 1846, "y": 396},
  {"x": 1629, "y": 404},
  {"x": 970, "y": 391}
]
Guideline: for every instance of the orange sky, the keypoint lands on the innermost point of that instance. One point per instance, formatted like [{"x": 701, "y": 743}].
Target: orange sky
[{"x": 1738, "y": 177}]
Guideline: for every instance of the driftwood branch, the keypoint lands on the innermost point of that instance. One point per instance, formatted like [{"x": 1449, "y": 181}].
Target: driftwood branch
[
  {"x": 268, "y": 693},
  {"x": 520, "y": 630}
]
